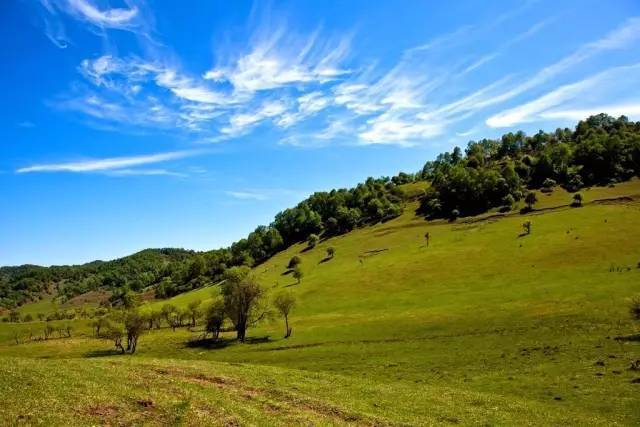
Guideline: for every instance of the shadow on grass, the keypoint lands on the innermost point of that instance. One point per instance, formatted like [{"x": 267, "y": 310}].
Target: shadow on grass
[
  {"x": 102, "y": 353},
  {"x": 209, "y": 343},
  {"x": 257, "y": 340},
  {"x": 325, "y": 259},
  {"x": 289, "y": 271},
  {"x": 220, "y": 343}
]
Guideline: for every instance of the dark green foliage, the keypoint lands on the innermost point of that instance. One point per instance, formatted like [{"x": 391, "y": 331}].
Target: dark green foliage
[
  {"x": 242, "y": 299},
  {"x": 312, "y": 240},
  {"x": 489, "y": 174},
  {"x": 294, "y": 261},
  {"x": 214, "y": 316},
  {"x": 530, "y": 200},
  {"x": 331, "y": 251},
  {"x": 577, "y": 200},
  {"x": 601, "y": 150}
]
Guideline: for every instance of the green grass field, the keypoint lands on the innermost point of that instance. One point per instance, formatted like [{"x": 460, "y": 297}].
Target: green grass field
[{"x": 482, "y": 327}]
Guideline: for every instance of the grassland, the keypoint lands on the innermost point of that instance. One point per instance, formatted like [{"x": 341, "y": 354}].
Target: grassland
[{"x": 484, "y": 326}]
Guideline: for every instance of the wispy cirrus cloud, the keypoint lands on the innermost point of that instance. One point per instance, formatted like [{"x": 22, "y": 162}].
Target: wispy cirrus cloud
[
  {"x": 98, "y": 19},
  {"x": 276, "y": 60},
  {"x": 561, "y": 102},
  {"x": 308, "y": 87},
  {"x": 122, "y": 165}
]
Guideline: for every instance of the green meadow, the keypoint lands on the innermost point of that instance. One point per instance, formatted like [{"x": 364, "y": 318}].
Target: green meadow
[{"x": 483, "y": 326}]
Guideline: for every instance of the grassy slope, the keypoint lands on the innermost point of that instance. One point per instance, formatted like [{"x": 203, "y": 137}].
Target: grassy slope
[{"x": 483, "y": 326}]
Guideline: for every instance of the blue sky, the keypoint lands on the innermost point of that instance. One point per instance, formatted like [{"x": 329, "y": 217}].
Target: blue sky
[{"x": 135, "y": 124}]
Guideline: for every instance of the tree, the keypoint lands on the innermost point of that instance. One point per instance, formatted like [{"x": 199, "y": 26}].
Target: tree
[
  {"x": 100, "y": 324},
  {"x": 294, "y": 262},
  {"x": 298, "y": 274},
  {"x": 312, "y": 241},
  {"x": 169, "y": 312},
  {"x": 27, "y": 318},
  {"x": 526, "y": 226},
  {"x": 284, "y": 302},
  {"x": 331, "y": 251},
  {"x": 115, "y": 334},
  {"x": 530, "y": 200},
  {"x": 14, "y": 316},
  {"x": 214, "y": 318},
  {"x": 242, "y": 296},
  {"x": 133, "y": 325},
  {"x": 194, "y": 311},
  {"x": 577, "y": 200}
]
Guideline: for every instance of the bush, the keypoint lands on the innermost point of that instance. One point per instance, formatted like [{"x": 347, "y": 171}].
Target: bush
[
  {"x": 549, "y": 183},
  {"x": 331, "y": 251},
  {"x": 312, "y": 241},
  {"x": 294, "y": 262},
  {"x": 577, "y": 200}
]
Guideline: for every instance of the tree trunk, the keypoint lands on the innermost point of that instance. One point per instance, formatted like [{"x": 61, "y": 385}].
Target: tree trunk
[{"x": 286, "y": 326}]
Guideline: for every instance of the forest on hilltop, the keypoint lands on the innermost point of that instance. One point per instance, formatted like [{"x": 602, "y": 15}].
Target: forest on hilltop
[{"x": 491, "y": 173}]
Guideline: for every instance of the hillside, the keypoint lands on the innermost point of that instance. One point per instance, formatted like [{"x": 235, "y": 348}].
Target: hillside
[
  {"x": 491, "y": 174},
  {"x": 484, "y": 325}
]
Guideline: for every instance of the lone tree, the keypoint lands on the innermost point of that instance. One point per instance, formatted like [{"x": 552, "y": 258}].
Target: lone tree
[
  {"x": 527, "y": 227},
  {"x": 194, "y": 311},
  {"x": 133, "y": 326},
  {"x": 530, "y": 200},
  {"x": 577, "y": 200},
  {"x": 242, "y": 299},
  {"x": 214, "y": 318},
  {"x": 331, "y": 251},
  {"x": 298, "y": 274},
  {"x": 284, "y": 303},
  {"x": 294, "y": 262},
  {"x": 312, "y": 241}
]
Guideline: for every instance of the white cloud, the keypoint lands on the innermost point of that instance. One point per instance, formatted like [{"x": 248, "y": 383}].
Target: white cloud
[
  {"x": 247, "y": 195},
  {"x": 592, "y": 88},
  {"x": 241, "y": 122},
  {"x": 280, "y": 60},
  {"x": 621, "y": 37},
  {"x": 109, "y": 164},
  {"x": 114, "y": 18},
  {"x": 631, "y": 110}
]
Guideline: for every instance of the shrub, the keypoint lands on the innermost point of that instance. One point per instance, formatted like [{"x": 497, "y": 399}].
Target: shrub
[
  {"x": 331, "y": 251},
  {"x": 577, "y": 200},
  {"x": 312, "y": 241},
  {"x": 549, "y": 183},
  {"x": 294, "y": 262},
  {"x": 530, "y": 199}
]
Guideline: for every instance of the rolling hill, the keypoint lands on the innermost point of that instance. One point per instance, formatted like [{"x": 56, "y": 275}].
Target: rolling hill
[{"x": 486, "y": 325}]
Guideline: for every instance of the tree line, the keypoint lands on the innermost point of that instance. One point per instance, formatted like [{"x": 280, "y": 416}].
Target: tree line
[{"x": 491, "y": 173}]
